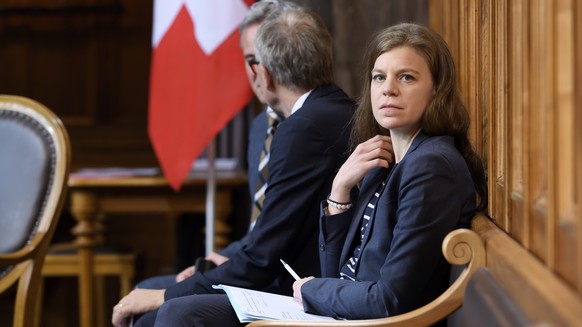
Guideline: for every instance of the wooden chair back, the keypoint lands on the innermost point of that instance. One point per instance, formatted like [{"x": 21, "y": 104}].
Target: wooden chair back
[{"x": 34, "y": 166}]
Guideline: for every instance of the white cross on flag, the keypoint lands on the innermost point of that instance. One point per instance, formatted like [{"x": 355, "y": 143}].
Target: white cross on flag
[{"x": 197, "y": 78}]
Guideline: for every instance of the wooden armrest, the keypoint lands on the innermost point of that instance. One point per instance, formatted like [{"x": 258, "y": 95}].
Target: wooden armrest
[
  {"x": 460, "y": 247},
  {"x": 9, "y": 279},
  {"x": 26, "y": 252}
]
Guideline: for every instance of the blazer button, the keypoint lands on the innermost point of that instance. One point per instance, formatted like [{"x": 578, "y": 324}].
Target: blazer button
[{"x": 321, "y": 247}]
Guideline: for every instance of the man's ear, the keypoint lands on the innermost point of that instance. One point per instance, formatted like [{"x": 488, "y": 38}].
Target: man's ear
[{"x": 266, "y": 79}]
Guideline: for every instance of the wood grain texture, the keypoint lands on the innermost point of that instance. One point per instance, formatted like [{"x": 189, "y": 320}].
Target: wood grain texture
[{"x": 523, "y": 93}]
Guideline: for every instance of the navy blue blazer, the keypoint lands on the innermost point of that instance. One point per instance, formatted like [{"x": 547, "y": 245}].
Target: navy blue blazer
[
  {"x": 428, "y": 194},
  {"x": 306, "y": 152}
]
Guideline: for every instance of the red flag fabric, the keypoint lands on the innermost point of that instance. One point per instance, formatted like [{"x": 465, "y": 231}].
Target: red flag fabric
[{"x": 197, "y": 79}]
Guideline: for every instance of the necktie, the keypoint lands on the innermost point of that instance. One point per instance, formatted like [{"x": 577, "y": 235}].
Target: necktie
[{"x": 259, "y": 196}]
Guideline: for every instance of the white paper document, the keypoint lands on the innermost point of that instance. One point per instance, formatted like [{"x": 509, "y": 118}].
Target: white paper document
[{"x": 251, "y": 305}]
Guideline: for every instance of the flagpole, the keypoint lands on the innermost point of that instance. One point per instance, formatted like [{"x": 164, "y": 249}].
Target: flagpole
[{"x": 210, "y": 197}]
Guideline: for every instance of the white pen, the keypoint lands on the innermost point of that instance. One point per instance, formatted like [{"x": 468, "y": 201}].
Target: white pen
[{"x": 290, "y": 270}]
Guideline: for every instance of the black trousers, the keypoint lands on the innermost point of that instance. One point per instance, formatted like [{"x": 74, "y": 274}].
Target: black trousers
[
  {"x": 204, "y": 310},
  {"x": 208, "y": 310}
]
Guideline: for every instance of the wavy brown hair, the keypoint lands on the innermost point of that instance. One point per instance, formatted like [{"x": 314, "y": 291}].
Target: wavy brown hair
[{"x": 445, "y": 114}]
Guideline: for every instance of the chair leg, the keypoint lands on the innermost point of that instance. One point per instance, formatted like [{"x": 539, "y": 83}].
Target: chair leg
[
  {"x": 101, "y": 310},
  {"x": 125, "y": 283},
  {"x": 120, "y": 266},
  {"x": 39, "y": 303}
]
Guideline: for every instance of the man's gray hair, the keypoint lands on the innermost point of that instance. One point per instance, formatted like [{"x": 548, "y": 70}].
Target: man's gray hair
[
  {"x": 295, "y": 46},
  {"x": 258, "y": 11}
]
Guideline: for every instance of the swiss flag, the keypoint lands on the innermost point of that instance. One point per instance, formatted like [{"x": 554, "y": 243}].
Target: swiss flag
[{"x": 197, "y": 80}]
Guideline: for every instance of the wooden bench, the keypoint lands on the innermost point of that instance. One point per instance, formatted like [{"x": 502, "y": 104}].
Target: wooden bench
[
  {"x": 495, "y": 282},
  {"x": 540, "y": 294}
]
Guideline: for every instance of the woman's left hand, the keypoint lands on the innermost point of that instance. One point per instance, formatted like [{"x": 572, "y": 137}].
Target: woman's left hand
[{"x": 297, "y": 288}]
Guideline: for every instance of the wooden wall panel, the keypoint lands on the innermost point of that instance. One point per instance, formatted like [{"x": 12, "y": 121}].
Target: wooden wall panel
[
  {"x": 521, "y": 79},
  {"x": 578, "y": 139},
  {"x": 471, "y": 77},
  {"x": 518, "y": 84},
  {"x": 498, "y": 161},
  {"x": 484, "y": 86},
  {"x": 540, "y": 131},
  {"x": 88, "y": 61},
  {"x": 352, "y": 23},
  {"x": 564, "y": 224}
]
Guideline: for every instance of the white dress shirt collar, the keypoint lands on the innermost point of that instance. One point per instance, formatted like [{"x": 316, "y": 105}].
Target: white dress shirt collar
[{"x": 299, "y": 103}]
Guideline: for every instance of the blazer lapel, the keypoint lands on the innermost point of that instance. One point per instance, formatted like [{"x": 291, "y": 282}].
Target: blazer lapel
[{"x": 416, "y": 142}]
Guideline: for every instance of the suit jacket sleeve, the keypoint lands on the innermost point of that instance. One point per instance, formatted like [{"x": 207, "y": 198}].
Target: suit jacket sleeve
[
  {"x": 332, "y": 234},
  {"x": 429, "y": 206},
  {"x": 234, "y": 247}
]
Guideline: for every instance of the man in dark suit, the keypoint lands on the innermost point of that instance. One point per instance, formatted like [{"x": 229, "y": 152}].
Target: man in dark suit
[
  {"x": 295, "y": 74},
  {"x": 257, "y": 134},
  {"x": 258, "y": 130}
]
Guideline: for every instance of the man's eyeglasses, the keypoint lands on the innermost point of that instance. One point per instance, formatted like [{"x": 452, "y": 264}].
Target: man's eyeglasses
[{"x": 252, "y": 63}]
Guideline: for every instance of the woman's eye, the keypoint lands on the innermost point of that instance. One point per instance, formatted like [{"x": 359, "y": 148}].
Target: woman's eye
[
  {"x": 378, "y": 78},
  {"x": 406, "y": 77}
]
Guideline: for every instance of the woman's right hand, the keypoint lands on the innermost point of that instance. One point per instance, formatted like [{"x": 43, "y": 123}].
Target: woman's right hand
[
  {"x": 297, "y": 288},
  {"x": 375, "y": 152}
]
